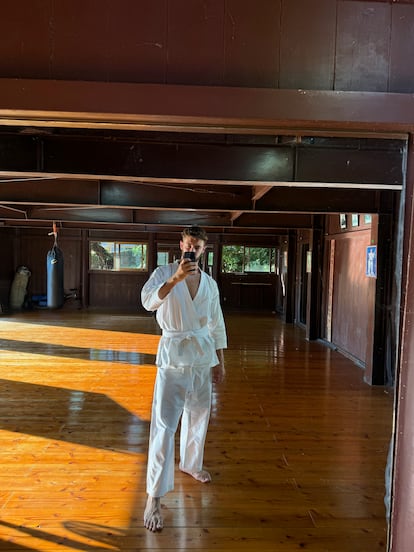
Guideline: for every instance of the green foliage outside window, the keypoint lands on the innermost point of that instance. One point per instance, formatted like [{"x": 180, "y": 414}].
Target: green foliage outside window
[
  {"x": 117, "y": 256},
  {"x": 242, "y": 259}
]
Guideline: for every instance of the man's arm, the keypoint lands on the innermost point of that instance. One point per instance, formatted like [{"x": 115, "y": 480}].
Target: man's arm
[{"x": 185, "y": 268}]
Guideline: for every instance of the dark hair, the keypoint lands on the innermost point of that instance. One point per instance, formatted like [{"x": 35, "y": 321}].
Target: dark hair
[{"x": 195, "y": 232}]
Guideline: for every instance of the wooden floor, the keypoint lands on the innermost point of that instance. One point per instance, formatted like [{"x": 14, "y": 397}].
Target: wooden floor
[{"x": 297, "y": 443}]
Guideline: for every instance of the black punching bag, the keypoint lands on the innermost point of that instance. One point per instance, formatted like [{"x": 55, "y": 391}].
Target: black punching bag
[{"x": 55, "y": 289}]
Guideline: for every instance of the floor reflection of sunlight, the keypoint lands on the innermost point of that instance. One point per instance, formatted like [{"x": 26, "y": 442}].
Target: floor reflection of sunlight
[
  {"x": 74, "y": 418},
  {"x": 80, "y": 337},
  {"x": 78, "y": 536},
  {"x": 65, "y": 486}
]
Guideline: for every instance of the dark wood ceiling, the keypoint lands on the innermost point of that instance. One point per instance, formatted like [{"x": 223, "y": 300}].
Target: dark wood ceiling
[
  {"x": 150, "y": 179},
  {"x": 161, "y": 157}
]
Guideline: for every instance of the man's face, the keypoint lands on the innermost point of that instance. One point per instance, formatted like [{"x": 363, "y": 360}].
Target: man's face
[{"x": 193, "y": 244}]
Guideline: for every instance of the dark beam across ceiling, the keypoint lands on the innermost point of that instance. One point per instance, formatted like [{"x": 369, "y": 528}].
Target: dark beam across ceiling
[{"x": 172, "y": 168}]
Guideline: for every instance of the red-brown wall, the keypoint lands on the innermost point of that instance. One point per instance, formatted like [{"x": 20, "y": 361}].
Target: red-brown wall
[
  {"x": 309, "y": 44},
  {"x": 350, "y": 295}
]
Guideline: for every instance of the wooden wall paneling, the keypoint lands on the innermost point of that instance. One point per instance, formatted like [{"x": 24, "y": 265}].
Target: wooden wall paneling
[
  {"x": 72, "y": 256},
  {"x": 7, "y": 268},
  {"x": 136, "y": 40},
  {"x": 351, "y": 287},
  {"x": 116, "y": 290},
  {"x": 384, "y": 1},
  {"x": 25, "y": 49},
  {"x": 133, "y": 41},
  {"x": 229, "y": 292},
  {"x": 363, "y": 46},
  {"x": 33, "y": 254},
  {"x": 195, "y": 42},
  {"x": 260, "y": 296},
  {"x": 307, "y": 44},
  {"x": 402, "y": 46},
  {"x": 252, "y": 32},
  {"x": 254, "y": 292},
  {"x": 79, "y": 40}
]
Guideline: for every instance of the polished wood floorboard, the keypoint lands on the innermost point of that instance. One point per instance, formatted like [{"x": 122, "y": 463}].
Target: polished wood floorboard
[{"x": 297, "y": 442}]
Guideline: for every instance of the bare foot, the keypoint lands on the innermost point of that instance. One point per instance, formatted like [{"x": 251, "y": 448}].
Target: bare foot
[
  {"x": 202, "y": 475},
  {"x": 152, "y": 515}
]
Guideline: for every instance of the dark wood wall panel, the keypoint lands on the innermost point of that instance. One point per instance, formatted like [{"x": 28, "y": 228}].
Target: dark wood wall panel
[
  {"x": 78, "y": 36},
  {"x": 92, "y": 41},
  {"x": 252, "y": 31},
  {"x": 308, "y": 44},
  {"x": 25, "y": 35},
  {"x": 254, "y": 292},
  {"x": 136, "y": 41},
  {"x": 402, "y": 46},
  {"x": 384, "y": 1},
  {"x": 116, "y": 291},
  {"x": 7, "y": 265},
  {"x": 318, "y": 44},
  {"x": 32, "y": 253},
  {"x": 195, "y": 42},
  {"x": 363, "y": 46}
]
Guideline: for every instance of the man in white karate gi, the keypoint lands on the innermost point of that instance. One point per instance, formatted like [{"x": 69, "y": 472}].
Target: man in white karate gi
[{"x": 189, "y": 359}]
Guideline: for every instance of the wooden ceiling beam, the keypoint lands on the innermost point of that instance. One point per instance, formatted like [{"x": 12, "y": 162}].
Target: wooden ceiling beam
[{"x": 86, "y": 104}]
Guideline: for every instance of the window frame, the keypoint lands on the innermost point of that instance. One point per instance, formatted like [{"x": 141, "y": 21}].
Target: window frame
[
  {"x": 117, "y": 245},
  {"x": 245, "y": 262}
]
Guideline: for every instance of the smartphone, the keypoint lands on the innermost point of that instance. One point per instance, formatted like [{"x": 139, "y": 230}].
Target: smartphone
[{"x": 190, "y": 255}]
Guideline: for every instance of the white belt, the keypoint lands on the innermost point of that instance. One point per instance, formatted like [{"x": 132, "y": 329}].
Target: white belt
[{"x": 191, "y": 335}]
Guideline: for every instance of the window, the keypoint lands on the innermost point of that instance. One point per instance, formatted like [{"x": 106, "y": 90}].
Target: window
[
  {"x": 243, "y": 259},
  {"x": 210, "y": 262},
  {"x": 117, "y": 256},
  {"x": 167, "y": 253},
  {"x": 162, "y": 258}
]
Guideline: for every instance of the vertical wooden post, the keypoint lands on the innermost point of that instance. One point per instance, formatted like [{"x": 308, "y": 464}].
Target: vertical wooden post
[
  {"x": 402, "y": 512},
  {"x": 291, "y": 278},
  {"x": 376, "y": 371},
  {"x": 84, "y": 292},
  {"x": 152, "y": 252},
  {"x": 313, "y": 318}
]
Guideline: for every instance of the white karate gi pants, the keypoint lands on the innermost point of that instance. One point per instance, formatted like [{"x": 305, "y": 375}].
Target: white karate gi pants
[{"x": 184, "y": 393}]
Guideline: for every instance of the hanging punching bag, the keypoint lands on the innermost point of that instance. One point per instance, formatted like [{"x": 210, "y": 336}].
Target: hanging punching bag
[{"x": 55, "y": 289}]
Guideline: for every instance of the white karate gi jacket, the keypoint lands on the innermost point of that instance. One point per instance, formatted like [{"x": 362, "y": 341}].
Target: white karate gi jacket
[{"x": 193, "y": 329}]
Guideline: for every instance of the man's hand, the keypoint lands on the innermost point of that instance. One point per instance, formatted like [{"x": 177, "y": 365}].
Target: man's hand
[
  {"x": 185, "y": 268},
  {"x": 218, "y": 372}
]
